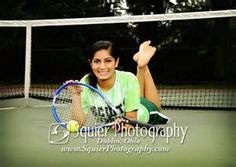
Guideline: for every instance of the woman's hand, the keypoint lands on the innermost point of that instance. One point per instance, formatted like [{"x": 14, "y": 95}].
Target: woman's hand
[
  {"x": 74, "y": 89},
  {"x": 120, "y": 122}
]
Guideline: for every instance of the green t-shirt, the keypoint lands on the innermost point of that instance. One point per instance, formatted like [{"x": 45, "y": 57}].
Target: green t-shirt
[{"x": 124, "y": 95}]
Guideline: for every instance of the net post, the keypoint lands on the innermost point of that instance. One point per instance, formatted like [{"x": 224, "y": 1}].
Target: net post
[{"x": 27, "y": 60}]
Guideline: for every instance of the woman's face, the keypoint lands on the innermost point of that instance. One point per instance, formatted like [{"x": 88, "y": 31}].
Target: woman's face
[{"x": 103, "y": 65}]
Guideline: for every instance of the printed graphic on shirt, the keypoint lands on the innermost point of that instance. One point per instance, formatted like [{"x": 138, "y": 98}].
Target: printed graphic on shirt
[{"x": 94, "y": 103}]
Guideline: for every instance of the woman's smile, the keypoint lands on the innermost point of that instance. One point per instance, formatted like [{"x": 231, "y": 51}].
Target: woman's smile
[{"x": 103, "y": 65}]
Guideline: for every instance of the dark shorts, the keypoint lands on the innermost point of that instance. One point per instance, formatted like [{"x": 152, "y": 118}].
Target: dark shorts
[{"x": 155, "y": 116}]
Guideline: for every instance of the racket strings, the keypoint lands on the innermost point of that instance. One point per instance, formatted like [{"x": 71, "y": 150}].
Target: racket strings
[
  {"x": 76, "y": 107},
  {"x": 64, "y": 105},
  {"x": 86, "y": 107},
  {"x": 95, "y": 105}
]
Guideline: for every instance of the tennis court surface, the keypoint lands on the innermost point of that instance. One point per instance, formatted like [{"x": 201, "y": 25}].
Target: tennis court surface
[{"x": 209, "y": 140}]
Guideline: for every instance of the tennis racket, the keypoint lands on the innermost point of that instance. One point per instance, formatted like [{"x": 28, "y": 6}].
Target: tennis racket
[{"x": 89, "y": 107}]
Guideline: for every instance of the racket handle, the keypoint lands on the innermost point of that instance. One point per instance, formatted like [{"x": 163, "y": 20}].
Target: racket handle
[{"x": 153, "y": 128}]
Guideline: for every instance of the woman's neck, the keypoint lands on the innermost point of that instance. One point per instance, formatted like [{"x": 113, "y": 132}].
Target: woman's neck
[{"x": 107, "y": 84}]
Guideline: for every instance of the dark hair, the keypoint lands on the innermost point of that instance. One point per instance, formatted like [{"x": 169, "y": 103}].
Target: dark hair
[{"x": 99, "y": 45}]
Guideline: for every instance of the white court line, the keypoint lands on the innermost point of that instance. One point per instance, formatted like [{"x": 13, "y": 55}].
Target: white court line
[
  {"x": 7, "y": 108},
  {"x": 42, "y": 106},
  {"x": 36, "y": 106}
]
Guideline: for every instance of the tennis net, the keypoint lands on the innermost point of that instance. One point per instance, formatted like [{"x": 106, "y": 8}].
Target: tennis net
[
  {"x": 181, "y": 97},
  {"x": 194, "y": 67}
]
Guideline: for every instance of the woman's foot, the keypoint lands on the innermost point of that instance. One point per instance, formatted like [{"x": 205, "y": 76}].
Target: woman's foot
[
  {"x": 146, "y": 51},
  {"x": 136, "y": 57}
]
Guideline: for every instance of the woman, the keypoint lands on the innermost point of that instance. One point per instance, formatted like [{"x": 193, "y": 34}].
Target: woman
[{"x": 124, "y": 89}]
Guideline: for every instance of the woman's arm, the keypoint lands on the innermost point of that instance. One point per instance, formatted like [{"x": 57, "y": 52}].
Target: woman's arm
[
  {"x": 131, "y": 115},
  {"x": 77, "y": 113}
]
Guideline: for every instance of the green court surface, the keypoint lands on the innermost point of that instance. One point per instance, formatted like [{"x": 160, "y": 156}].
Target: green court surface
[{"x": 209, "y": 141}]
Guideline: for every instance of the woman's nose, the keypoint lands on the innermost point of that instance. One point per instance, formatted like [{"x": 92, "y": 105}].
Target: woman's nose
[{"x": 102, "y": 65}]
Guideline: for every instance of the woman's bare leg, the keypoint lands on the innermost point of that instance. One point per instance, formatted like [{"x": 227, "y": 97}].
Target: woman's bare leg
[{"x": 148, "y": 88}]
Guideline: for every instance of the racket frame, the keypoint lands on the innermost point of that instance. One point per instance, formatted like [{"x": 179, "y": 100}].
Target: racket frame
[
  {"x": 58, "y": 91},
  {"x": 126, "y": 120}
]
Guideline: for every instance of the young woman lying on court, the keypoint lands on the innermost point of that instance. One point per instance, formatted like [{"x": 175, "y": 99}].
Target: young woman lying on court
[{"x": 135, "y": 96}]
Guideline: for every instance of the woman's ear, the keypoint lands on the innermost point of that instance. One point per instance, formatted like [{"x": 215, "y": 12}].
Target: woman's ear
[{"x": 117, "y": 62}]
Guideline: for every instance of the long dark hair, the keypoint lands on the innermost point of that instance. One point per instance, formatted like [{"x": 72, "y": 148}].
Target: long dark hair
[{"x": 99, "y": 45}]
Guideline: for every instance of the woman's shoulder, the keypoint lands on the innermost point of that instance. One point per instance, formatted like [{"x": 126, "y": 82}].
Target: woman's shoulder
[
  {"x": 126, "y": 76},
  {"x": 84, "y": 79}
]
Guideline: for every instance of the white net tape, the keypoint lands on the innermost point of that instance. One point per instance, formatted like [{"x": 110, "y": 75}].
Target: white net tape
[{"x": 119, "y": 19}]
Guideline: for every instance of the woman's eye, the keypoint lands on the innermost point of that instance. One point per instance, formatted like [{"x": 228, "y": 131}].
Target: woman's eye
[
  {"x": 108, "y": 61},
  {"x": 104, "y": 61},
  {"x": 96, "y": 61}
]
